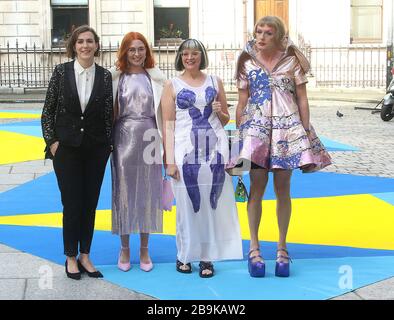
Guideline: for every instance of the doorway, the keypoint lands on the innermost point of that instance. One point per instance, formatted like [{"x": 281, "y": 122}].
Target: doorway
[{"x": 278, "y": 8}]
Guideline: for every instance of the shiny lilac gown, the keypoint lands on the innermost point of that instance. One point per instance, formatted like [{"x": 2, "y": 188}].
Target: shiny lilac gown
[{"x": 136, "y": 184}]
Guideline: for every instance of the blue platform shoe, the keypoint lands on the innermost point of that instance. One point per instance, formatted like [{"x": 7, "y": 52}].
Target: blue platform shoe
[
  {"x": 282, "y": 269},
  {"x": 256, "y": 268}
]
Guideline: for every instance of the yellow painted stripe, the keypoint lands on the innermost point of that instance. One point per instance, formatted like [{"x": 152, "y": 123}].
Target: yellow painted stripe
[
  {"x": 103, "y": 220},
  {"x": 17, "y": 147},
  {"x": 19, "y": 115},
  {"x": 361, "y": 221}
]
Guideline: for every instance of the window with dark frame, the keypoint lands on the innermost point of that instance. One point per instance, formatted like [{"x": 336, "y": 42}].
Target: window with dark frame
[
  {"x": 171, "y": 25},
  {"x": 66, "y": 16},
  {"x": 366, "y": 21}
]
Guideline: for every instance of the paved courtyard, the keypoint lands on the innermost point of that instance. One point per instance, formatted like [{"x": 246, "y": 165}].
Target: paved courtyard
[{"x": 358, "y": 128}]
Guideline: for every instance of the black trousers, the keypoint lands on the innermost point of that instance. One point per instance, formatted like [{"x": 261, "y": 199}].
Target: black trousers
[{"x": 80, "y": 172}]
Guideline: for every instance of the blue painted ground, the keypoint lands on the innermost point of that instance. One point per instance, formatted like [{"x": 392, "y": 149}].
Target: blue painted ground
[
  {"x": 42, "y": 195},
  {"x": 33, "y": 128},
  {"x": 311, "y": 279},
  {"x": 34, "y": 131},
  {"x": 315, "y": 269},
  {"x": 30, "y": 128},
  {"x": 21, "y": 124},
  {"x": 388, "y": 197},
  {"x": 45, "y": 242}
]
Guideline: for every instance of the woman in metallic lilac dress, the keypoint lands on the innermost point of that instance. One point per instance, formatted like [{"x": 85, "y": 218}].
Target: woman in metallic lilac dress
[
  {"x": 136, "y": 162},
  {"x": 274, "y": 130}
]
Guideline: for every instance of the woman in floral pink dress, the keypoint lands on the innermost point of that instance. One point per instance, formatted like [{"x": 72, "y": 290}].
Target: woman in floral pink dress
[{"x": 274, "y": 130}]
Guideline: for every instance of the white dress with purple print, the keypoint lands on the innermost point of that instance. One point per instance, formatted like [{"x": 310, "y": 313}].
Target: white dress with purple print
[{"x": 207, "y": 220}]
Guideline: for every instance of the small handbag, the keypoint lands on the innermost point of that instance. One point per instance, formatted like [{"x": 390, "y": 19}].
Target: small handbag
[
  {"x": 241, "y": 194},
  {"x": 167, "y": 195}
]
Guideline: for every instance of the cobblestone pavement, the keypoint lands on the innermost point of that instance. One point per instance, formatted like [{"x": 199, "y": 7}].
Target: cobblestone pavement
[{"x": 360, "y": 129}]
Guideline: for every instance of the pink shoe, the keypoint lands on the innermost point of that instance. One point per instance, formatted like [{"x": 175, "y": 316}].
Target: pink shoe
[
  {"x": 124, "y": 266},
  {"x": 146, "y": 266}
]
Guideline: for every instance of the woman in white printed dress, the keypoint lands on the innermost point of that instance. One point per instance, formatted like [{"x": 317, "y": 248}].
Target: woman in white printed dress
[{"x": 196, "y": 151}]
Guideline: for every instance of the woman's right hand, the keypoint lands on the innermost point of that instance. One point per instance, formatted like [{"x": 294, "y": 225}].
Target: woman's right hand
[
  {"x": 54, "y": 147},
  {"x": 172, "y": 171}
]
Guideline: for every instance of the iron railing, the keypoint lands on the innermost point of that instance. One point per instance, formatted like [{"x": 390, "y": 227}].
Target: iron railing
[
  {"x": 33, "y": 67},
  {"x": 332, "y": 66},
  {"x": 359, "y": 66}
]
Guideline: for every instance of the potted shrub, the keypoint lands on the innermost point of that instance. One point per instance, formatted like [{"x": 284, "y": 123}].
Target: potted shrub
[{"x": 170, "y": 35}]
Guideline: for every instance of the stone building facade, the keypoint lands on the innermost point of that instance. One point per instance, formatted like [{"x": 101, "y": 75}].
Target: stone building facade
[{"x": 40, "y": 21}]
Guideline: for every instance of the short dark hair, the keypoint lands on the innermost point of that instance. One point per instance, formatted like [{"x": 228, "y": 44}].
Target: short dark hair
[
  {"x": 191, "y": 44},
  {"x": 74, "y": 37}
]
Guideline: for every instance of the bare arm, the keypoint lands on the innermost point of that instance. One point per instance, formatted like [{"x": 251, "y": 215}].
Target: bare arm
[
  {"x": 303, "y": 105},
  {"x": 243, "y": 96},
  {"x": 168, "y": 117},
  {"x": 220, "y": 104}
]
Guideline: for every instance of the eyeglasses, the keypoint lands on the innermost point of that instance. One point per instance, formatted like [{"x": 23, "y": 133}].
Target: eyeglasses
[
  {"x": 135, "y": 50},
  {"x": 193, "y": 54}
]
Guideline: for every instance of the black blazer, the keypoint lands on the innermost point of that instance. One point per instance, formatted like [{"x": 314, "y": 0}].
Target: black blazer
[{"x": 62, "y": 118}]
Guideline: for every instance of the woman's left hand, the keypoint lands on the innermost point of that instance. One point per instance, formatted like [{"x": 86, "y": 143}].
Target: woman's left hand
[{"x": 216, "y": 106}]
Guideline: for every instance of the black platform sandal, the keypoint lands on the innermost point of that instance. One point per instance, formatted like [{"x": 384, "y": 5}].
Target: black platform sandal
[
  {"x": 180, "y": 264},
  {"x": 206, "y": 266}
]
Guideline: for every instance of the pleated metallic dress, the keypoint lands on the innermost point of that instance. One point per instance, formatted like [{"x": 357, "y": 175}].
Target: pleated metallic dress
[{"x": 136, "y": 182}]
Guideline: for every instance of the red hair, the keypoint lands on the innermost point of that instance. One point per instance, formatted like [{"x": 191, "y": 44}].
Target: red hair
[{"x": 121, "y": 64}]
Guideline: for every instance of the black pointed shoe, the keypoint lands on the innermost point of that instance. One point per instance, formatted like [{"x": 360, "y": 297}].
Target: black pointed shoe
[
  {"x": 74, "y": 276},
  {"x": 94, "y": 274}
]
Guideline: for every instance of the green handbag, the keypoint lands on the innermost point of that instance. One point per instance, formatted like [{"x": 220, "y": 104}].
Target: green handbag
[{"x": 241, "y": 194}]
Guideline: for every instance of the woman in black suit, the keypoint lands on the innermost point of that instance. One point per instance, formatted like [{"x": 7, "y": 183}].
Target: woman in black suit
[{"x": 77, "y": 128}]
